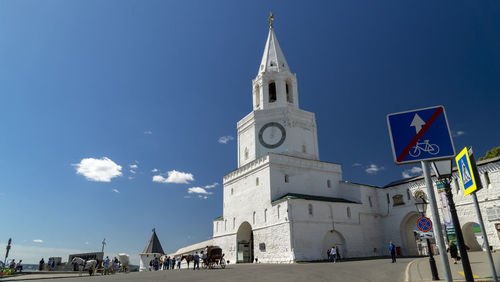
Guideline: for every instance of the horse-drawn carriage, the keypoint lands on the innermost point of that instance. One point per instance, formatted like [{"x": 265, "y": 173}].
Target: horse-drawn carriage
[{"x": 214, "y": 257}]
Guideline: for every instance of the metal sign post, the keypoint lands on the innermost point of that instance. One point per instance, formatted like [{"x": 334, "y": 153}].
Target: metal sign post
[
  {"x": 438, "y": 231},
  {"x": 7, "y": 252},
  {"x": 471, "y": 183}
]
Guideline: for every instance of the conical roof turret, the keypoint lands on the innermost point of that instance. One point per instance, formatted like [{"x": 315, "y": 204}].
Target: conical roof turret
[{"x": 153, "y": 246}]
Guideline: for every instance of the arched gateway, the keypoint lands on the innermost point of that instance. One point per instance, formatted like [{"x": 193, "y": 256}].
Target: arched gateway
[
  {"x": 244, "y": 240},
  {"x": 408, "y": 239},
  {"x": 333, "y": 238}
]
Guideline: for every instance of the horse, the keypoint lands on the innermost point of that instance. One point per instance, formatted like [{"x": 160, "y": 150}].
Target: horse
[
  {"x": 82, "y": 264},
  {"x": 188, "y": 259}
]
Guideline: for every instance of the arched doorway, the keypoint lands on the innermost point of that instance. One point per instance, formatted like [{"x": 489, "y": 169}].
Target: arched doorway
[
  {"x": 408, "y": 239},
  {"x": 333, "y": 238},
  {"x": 244, "y": 240},
  {"x": 473, "y": 236}
]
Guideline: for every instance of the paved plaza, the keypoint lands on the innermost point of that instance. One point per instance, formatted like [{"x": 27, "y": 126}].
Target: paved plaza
[{"x": 368, "y": 270}]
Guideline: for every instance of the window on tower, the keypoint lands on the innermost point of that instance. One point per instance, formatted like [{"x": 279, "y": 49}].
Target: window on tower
[
  {"x": 272, "y": 92},
  {"x": 257, "y": 96},
  {"x": 286, "y": 178},
  {"x": 289, "y": 96}
]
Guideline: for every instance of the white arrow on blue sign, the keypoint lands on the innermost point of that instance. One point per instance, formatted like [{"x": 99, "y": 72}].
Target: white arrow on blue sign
[{"x": 419, "y": 135}]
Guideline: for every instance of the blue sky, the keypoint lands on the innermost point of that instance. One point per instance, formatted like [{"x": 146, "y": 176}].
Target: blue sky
[{"x": 117, "y": 89}]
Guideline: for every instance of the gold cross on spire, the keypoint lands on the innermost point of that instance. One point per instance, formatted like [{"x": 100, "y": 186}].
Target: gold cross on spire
[{"x": 270, "y": 20}]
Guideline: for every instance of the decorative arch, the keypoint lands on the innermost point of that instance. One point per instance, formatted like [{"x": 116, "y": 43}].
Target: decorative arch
[
  {"x": 334, "y": 238},
  {"x": 244, "y": 243},
  {"x": 408, "y": 240}
]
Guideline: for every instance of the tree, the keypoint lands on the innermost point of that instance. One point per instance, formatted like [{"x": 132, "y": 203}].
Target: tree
[{"x": 491, "y": 154}]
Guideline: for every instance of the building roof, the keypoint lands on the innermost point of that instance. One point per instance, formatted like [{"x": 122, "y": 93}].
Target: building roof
[
  {"x": 312, "y": 198},
  {"x": 273, "y": 58},
  {"x": 219, "y": 218},
  {"x": 193, "y": 248},
  {"x": 153, "y": 246}
]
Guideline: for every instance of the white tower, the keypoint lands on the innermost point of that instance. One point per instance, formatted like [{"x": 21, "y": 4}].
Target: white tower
[{"x": 276, "y": 124}]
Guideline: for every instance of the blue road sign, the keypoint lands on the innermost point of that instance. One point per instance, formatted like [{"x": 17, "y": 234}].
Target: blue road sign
[
  {"x": 424, "y": 224},
  {"x": 419, "y": 135}
]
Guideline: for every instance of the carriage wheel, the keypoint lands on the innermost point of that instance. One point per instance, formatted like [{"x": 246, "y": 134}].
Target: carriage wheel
[
  {"x": 211, "y": 265},
  {"x": 204, "y": 265},
  {"x": 223, "y": 263}
]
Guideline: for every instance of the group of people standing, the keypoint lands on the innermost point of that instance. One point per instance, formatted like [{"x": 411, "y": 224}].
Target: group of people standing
[
  {"x": 51, "y": 264},
  {"x": 17, "y": 267},
  {"x": 164, "y": 263},
  {"x": 110, "y": 266}
]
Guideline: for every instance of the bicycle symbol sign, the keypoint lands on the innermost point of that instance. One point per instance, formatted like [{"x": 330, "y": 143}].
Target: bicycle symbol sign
[
  {"x": 424, "y": 224},
  {"x": 419, "y": 135}
]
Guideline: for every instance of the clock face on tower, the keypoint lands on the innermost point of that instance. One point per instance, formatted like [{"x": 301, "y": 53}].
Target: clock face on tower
[{"x": 272, "y": 135}]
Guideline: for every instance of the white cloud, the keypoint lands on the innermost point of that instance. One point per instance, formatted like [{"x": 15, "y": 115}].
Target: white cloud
[
  {"x": 154, "y": 170},
  {"x": 412, "y": 172},
  {"x": 86, "y": 243},
  {"x": 148, "y": 132},
  {"x": 116, "y": 191},
  {"x": 458, "y": 133},
  {"x": 133, "y": 166},
  {"x": 130, "y": 177},
  {"x": 198, "y": 190},
  {"x": 174, "y": 176},
  {"x": 100, "y": 170},
  {"x": 38, "y": 241},
  {"x": 373, "y": 169},
  {"x": 211, "y": 186},
  {"x": 132, "y": 171},
  {"x": 203, "y": 197},
  {"x": 225, "y": 139},
  {"x": 356, "y": 164},
  {"x": 188, "y": 197}
]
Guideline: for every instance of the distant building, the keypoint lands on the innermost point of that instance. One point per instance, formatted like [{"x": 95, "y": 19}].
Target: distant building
[{"x": 153, "y": 249}]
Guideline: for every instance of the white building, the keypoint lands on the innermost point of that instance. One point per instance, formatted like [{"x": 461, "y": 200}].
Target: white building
[
  {"x": 282, "y": 204},
  {"x": 152, "y": 250}
]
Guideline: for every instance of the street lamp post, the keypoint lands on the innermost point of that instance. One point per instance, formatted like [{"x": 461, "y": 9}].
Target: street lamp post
[
  {"x": 421, "y": 205},
  {"x": 443, "y": 170}
]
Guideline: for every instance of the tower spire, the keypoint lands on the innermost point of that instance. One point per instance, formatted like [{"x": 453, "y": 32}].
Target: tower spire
[{"x": 273, "y": 58}]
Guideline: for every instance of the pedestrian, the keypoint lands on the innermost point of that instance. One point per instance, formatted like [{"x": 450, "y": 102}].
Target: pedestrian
[
  {"x": 333, "y": 254},
  {"x": 173, "y": 263},
  {"x": 165, "y": 263},
  {"x": 12, "y": 265},
  {"x": 150, "y": 265},
  {"x": 196, "y": 261},
  {"x": 179, "y": 259},
  {"x": 204, "y": 258},
  {"x": 106, "y": 265},
  {"x": 168, "y": 262},
  {"x": 453, "y": 252},
  {"x": 19, "y": 266},
  {"x": 392, "y": 250},
  {"x": 328, "y": 254},
  {"x": 53, "y": 264},
  {"x": 156, "y": 264},
  {"x": 41, "y": 265}
]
